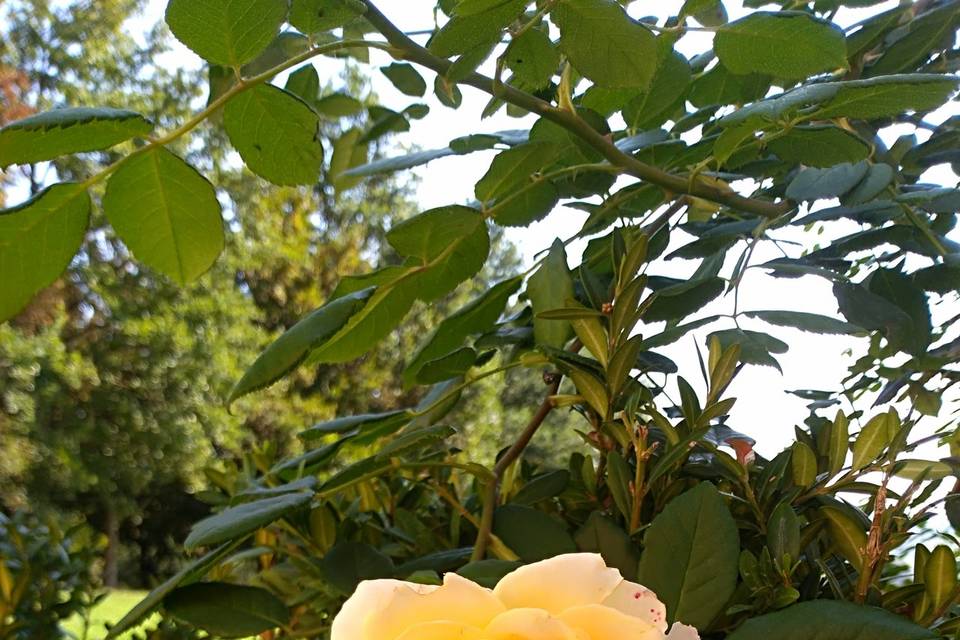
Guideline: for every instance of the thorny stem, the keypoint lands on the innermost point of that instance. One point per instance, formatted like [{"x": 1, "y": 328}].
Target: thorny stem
[{"x": 406, "y": 48}]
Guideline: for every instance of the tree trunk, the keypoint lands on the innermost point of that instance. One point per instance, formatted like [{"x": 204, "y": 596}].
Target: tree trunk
[{"x": 110, "y": 569}]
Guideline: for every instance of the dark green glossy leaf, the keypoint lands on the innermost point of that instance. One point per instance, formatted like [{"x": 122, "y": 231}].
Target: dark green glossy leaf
[
  {"x": 690, "y": 556},
  {"x": 550, "y": 288},
  {"x": 533, "y": 535},
  {"x": 227, "y": 610},
  {"x": 831, "y": 619},
  {"x": 290, "y": 349},
  {"x": 242, "y": 519}
]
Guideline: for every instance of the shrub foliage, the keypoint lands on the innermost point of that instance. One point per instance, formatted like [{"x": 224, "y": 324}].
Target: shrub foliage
[{"x": 703, "y": 159}]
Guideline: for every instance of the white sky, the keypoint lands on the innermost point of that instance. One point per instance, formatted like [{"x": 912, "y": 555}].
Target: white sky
[{"x": 763, "y": 410}]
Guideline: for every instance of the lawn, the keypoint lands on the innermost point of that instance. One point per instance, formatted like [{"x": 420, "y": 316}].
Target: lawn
[{"x": 110, "y": 609}]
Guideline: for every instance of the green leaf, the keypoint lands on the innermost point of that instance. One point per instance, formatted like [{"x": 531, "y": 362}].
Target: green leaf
[
  {"x": 673, "y": 334},
  {"x": 533, "y": 59},
  {"x": 405, "y": 78},
  {"x": 803, "y": 464},
  {"x": 348, "y": 563},
  {"x": 786, "y": 44},
  {"x": 444, "y": 247},
  {"x": 242, "y": 519},
  {"x": 925, "y": 469},
  {"x": 838, "y": 444},
  {"x": 871, "y": 441},
  {"x": 781, "y": 106},
  {"x": 542, "y": 487},
  {"x": 847, "y": 532},
  {"x": 730, "y": 140},
  {"x": 816, "y": 184},
  {"x": 832, "y": 619},
  {"x": 673, "y": 307},
  {"x": 449, "y": 245},
  {"x": 455, "y": 363},
  {"x": 476, "y": 317},
  {"x": 192, "y": 571},
  {"x": 819, "y": 146},
  {"x": 873, "y": 184},
  {"x": 290, "y": 349},
  {"x": 166, "y": 213},
  {"x": 338, "y": 105},
  {"x": 385, "y": 309},
  {"x": 755, "y": 347},
  {"x": 487, "y": 573},
  {"x": 719, "y": 86},
  {"x": 899, "y": 290},
  {"x": 377, "y": 423},
  {"x": 912, "y": 44},
  {"x": 514, "y": 167},
  {"x": 939, "y": 278},
  {"x": 52, "y": 134},
  {"x": 690, "y": 556},
  {"x": 533, "y": 535},
  {"x": 465, "y": 32},
  {"x": 940, "y": 576},
  {"x": 601, "y": 535},
  {"x": 283, "y": 47},
  {"x": 276, "y": 134},
  {"x": 605, "y": 45},
  {"x": 592, "y": 389},
  {"x": 414, "y": 438},
  {"x": 886, "y": 96},
  {"x": 811, "y": 322},
  {"x": 783, "y": 533},
  {"x": 550, "y": 288},
  {"x": 667, "y": 90},
  {"x": 619, "y": 477},
  {"x": 526, "y": 205},
  {"x": 305, "y": 84},
  {"x": 348, "y": 153},
  {"x": 38, "y": 239},
  {"x": 227, "y": 610},
  {"x": 313, "y": 16},
  {"x": 229, "y": 34},
  {"x": 709, "y": 13}
]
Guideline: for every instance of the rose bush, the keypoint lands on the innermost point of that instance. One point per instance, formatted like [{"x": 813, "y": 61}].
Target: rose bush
[{"x": 568, "y": 597}]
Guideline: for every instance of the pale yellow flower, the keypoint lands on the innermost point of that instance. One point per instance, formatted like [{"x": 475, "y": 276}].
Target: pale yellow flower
[{"x": 569, "y": 597}]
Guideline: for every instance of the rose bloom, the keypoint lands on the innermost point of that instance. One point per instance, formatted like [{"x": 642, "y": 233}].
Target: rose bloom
[{"x": 568, "y": 597}]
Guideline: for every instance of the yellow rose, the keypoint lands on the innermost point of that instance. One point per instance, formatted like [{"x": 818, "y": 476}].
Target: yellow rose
[{"x": 569, "y": 597}]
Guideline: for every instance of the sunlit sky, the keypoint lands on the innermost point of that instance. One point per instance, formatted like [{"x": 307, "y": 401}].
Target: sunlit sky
[{"x": 764, "y": 410}]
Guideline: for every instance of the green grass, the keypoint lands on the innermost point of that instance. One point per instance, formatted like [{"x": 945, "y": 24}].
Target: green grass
[{"x": 111, "y": 609}]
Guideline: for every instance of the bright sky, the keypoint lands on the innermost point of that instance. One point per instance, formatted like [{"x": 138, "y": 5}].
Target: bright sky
[{"x": 764, "y": 410}]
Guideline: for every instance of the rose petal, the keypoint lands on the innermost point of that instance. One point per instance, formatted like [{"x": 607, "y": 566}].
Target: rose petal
[
  {"x": 559, "y": 583},
  {"x": 604, "y": 623},
  {"x": 458, "y": 600},
  {"x": 370, "y": 596},
  {"x": 529, "y": 624},
  {"x": 636, "y": 600},
  {"x": 441, "y": 631},
  {"x": 682, "y": 632}
]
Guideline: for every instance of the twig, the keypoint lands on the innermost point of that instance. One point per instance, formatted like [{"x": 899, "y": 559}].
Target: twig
[
  {"x": 508, "y": 458},
  {"x": 409, "y": 50}
]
